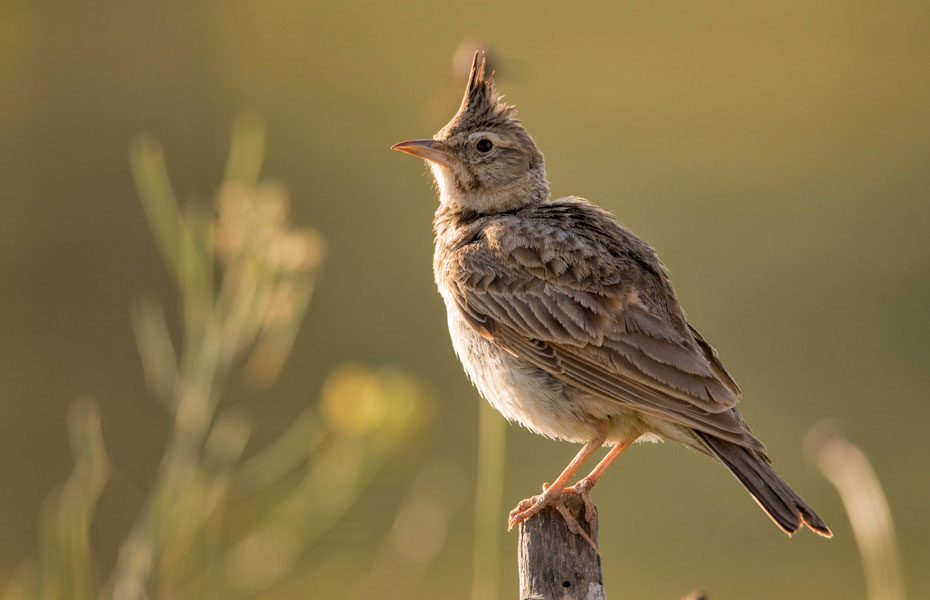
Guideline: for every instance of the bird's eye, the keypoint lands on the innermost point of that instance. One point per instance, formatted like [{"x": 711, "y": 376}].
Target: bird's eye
[{"x": 484, "y": 145}]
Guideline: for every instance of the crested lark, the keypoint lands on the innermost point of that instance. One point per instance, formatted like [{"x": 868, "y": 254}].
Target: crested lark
[{"x": 566, "y": 321}]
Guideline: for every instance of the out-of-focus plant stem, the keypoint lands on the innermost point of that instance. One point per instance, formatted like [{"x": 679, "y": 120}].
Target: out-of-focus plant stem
[
  {"x": 851, "y": 473},
  {"x": 213, "y": 525},
  {"x": 492, "y": 442},
  {"x": 213, "y": 332},
  {"x": 68, "y": 569}
]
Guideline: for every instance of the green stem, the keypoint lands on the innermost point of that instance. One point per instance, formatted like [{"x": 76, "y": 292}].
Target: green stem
[{"x": 489, "y": 522}]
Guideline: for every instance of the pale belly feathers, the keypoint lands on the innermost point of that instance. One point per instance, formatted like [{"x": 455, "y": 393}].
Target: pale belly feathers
[{"x": 535, "y": 399}]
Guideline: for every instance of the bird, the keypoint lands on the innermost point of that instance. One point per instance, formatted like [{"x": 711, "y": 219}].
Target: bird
[{"x": 567, "y": 322}]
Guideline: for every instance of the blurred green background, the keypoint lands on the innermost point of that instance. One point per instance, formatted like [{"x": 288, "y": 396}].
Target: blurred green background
[{"x": 777, "y": 154}]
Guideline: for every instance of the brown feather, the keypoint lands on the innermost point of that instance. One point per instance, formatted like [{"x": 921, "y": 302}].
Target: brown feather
[{"x": 610, "y": 324}]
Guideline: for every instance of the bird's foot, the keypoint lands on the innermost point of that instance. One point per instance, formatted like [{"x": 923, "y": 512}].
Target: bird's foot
[
  {"x": 556, "y": 499},
  {"x": 582, "y": 489},
  {"x": 531, "y": 506}
]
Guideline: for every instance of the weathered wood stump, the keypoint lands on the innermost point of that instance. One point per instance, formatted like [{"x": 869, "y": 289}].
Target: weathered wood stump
[{"x": 556, "y": 564}]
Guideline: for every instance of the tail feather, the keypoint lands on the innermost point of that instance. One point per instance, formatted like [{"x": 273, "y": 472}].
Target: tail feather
[{"x": 774, "y": 495}]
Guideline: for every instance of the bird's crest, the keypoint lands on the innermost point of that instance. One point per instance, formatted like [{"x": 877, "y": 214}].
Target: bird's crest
[{"x": 480, "y": 104}]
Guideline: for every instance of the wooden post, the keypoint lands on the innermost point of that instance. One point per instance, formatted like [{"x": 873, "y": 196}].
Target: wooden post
[{"x": 556, "y": 564}]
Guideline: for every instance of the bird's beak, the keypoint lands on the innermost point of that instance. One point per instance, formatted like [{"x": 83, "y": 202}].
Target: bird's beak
[{"x": 431, "y": 150}]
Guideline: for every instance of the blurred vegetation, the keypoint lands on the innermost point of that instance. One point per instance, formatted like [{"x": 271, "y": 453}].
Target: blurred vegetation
[
  {"x": 776, "y": 153},
  {"x": 851, "y": 473},
  {"x": 245, "y": 278}
]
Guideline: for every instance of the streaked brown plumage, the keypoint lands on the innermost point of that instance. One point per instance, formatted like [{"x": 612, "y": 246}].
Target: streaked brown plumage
[{"x": 566, "y": 321}]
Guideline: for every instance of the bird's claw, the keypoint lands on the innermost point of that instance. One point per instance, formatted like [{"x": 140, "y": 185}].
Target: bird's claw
[
  {"x": 530, "y": 507},
  {"x": 582, "y": 489}
]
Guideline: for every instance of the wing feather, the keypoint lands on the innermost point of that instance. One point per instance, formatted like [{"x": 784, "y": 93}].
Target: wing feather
[{"x": 584, "y": 308}]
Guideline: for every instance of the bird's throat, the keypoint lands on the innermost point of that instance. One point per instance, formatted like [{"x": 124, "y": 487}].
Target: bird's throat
[{"x": 486, "y": 200}]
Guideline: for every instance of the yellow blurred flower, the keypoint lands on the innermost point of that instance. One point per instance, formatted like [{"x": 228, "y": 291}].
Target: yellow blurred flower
[
  {"x": 357, "y": 401},
  {"x": 352, "y": 401}
]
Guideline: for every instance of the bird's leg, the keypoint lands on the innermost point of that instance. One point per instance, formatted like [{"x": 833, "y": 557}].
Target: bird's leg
[
  {"x": 552, "y": 494},
  {"x": 584, "y": 485}
]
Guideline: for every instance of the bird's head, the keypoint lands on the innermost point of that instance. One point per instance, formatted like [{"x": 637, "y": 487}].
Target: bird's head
[{"x": 483, "y": 160}]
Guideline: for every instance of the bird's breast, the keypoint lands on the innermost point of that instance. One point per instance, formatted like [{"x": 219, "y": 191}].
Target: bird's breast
[{"x": 522, "y": 392}]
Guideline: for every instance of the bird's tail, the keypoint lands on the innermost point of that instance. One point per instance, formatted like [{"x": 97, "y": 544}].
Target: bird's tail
[{"x": 774, "y": 495}]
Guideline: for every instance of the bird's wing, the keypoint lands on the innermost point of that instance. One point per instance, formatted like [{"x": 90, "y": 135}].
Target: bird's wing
[{"x": 594, "y": 308}]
